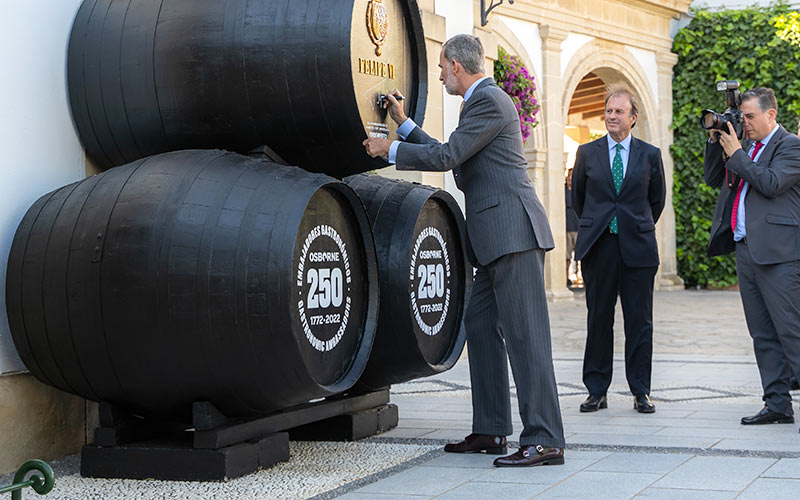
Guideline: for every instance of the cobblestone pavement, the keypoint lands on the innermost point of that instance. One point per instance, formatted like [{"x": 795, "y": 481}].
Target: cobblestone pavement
[{"x": 704, "y": 380}]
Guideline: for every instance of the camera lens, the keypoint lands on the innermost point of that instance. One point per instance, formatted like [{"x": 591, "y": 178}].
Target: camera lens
[{"x": 711, "y": 119}]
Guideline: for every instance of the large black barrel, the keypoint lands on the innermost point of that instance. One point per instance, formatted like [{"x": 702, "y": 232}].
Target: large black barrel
[
  {"x": 425, "y": 278},
  {"x": 303, "y": 77},
  {"x": 195, "y": 276}
]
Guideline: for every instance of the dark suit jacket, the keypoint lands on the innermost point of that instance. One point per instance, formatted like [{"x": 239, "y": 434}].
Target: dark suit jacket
[
  {"x": 504, "y": 215},
  {"x": 638, "y": 205},
  {"x": 772, "y": 204}
]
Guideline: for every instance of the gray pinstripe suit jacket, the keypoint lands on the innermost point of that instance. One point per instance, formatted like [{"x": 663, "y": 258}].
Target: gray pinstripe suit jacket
[{"x": 485, "y": 152}]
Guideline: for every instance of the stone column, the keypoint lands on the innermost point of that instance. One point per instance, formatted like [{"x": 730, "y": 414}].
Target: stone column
[
  {"x": 668, "y": 278},
  {"x": 435, "y": 35},
  {"x": 551, "y": 190}
]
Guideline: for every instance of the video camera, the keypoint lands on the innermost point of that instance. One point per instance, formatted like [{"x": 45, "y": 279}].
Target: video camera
[{"x": 733, "y": 115}]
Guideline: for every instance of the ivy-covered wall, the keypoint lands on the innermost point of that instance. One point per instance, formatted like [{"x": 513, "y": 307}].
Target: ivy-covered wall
[{"x": 757, "y": 47}]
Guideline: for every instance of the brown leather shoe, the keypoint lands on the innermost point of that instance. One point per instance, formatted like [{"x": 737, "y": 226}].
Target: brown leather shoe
[
  {"x": 476, "y": 443},
  {"x": 531, "y": 455}
]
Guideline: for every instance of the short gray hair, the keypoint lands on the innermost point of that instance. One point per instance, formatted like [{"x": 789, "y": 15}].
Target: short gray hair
[{"x": 467, "y": 50}]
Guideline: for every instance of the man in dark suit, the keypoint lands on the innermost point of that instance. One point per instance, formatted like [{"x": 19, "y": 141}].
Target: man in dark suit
[
  {"x": 758, "y": 216},
  {"x": 507, "y": 236},
  {"x": 618, "y": 191}
]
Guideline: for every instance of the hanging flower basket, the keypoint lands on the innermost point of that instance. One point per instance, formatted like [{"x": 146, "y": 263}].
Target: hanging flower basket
[{"x": 513, "y": 77}]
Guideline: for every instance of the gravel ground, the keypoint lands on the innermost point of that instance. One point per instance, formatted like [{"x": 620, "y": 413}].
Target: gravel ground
[{"x": 315, "y": 467}]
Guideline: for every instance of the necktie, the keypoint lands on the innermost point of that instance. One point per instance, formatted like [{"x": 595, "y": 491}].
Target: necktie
[
  {"x": 616, "y": 173},
  {"x": 735, "y": 210}
]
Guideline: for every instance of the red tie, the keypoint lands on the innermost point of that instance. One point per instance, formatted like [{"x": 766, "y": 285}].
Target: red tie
[{"x": 739, "y": 190}]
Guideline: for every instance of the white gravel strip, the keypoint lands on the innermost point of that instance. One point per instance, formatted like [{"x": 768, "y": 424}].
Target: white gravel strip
[{"x": 314, "y": 468}]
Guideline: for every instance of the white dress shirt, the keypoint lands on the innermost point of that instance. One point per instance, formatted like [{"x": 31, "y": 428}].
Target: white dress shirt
[
  {"x": 624, "y": 152},
  {"x": 741, "y": 231},
  {"x": 408, "y": 125}
]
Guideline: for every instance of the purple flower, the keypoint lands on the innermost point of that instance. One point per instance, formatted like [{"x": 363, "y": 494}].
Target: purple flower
[{"x": 518, "y": 83}]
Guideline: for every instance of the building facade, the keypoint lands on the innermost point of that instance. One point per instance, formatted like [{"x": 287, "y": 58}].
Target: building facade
[{"x": 572, "y": 47}]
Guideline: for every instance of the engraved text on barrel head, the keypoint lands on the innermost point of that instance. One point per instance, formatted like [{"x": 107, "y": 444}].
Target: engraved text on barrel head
[
  {"x": 381, "y": 55},
  {"x": 323, "y": 281},
  {"x": 429, "y": 275}
]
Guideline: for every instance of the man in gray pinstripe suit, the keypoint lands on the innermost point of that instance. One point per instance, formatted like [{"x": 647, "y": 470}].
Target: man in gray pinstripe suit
[{"x": 507, "y": 237}]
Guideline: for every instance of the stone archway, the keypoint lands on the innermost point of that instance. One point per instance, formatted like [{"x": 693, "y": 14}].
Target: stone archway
[
  {"x": 613, "y": 62},
  {"x": 607, "y": 60}
]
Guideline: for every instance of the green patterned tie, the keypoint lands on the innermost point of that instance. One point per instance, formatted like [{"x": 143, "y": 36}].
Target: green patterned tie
[{"x": 616, "y": 172}]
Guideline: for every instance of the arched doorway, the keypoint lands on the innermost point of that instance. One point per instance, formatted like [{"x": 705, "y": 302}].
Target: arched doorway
[
  {"x": 584, "y": 120},
  {"x": 585, "y": 123},
  {"x": 584, "y": 115}
]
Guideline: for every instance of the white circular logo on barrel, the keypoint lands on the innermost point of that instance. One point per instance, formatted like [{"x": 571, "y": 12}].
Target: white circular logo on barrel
[
  {"x": 323, "y": 280},
  {"x": 429, "y": 275}
]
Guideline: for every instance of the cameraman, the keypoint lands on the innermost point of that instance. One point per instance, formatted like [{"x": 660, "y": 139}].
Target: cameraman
[{"x": 758, "y": 216}]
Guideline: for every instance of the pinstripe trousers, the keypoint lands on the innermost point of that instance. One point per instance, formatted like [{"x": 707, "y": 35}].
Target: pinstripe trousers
[{"x": 507, "y": 314}]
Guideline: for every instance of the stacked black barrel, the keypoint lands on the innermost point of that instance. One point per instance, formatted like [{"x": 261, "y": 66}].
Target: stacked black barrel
[
  {"x": 175, "y": 279},
  {"x": 424, "y": 279},
  {"x": 151, "y": 76},
  {"x": 188, "y": 273}
]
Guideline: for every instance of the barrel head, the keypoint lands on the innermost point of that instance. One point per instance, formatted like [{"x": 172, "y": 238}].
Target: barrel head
[
  {"x": 331, "y": 296},
  {"x": 382, "y": 59},
  {"x": 436, "y": 279}
]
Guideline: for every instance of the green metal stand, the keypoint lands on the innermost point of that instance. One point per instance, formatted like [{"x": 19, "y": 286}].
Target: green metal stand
[{"x": 39, "y": 485}]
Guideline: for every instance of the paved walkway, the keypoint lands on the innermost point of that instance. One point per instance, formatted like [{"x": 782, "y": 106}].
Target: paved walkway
[{"x": 704, "y": 380}]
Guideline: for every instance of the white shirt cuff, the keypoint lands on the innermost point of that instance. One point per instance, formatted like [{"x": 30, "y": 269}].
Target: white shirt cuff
[
  {"x": 406, "y": 128},
  {"x": 393, "y": 152}
]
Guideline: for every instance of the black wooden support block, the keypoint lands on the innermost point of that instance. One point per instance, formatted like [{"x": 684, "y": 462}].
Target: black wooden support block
[
  {"x": 253, "y": 429},
  {"x": 273, "y": 449},
  {"x": 178, "y": 461},
  {"x": 350, "y": 426},
  {"x": 170, "y": 461},
  {"x": 388, "y": 418}
]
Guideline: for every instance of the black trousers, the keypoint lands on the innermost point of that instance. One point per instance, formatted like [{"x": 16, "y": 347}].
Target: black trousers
[{"x": 605, "y": 276}]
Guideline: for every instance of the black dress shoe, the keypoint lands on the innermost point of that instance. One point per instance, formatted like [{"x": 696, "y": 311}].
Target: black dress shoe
[
  {"x": 643, "y": 404},
  {"x": 476, "y": 443},
  {"x": 594, "y": 403},
  {"x": 531, "y": 455},
  {"x": 767, "y": 416}
]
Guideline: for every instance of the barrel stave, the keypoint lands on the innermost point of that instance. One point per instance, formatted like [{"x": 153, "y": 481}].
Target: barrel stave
[
  {"x": 15, "y": 284},
  {"x": 33, "y": 278}
]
